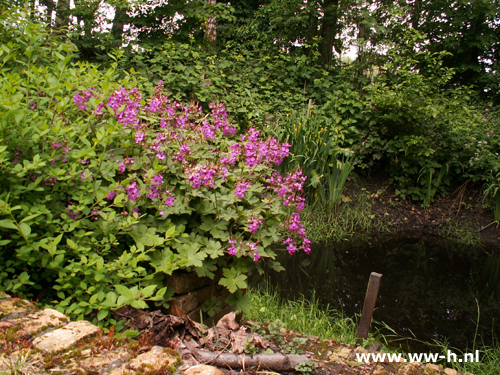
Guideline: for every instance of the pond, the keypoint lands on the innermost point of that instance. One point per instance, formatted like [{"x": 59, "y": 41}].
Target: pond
[{"x": 431, "y": 289}]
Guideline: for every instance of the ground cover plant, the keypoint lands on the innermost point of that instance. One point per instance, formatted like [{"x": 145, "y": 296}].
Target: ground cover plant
[{"x": 105, "y": 192}]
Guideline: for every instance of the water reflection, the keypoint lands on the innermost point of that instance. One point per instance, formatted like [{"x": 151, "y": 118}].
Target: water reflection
[{"x": 431, "y": 289}]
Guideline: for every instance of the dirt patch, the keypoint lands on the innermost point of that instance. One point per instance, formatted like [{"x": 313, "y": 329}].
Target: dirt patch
[{"x": 460, "y": 215}]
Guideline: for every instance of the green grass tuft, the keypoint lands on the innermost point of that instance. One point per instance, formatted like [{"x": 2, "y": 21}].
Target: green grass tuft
[{"x": 305, "y": 317}]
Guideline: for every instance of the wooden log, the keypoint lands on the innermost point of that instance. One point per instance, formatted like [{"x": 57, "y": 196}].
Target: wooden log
[
  {"x": 273, "y": 362},
  {"x": 368, "y": 306}
]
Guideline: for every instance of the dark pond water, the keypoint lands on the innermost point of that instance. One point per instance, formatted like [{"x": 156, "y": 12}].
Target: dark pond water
[{"x": 430, "y": 290}]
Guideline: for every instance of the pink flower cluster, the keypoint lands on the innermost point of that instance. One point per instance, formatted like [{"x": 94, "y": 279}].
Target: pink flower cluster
[
  {"x": 254, "y": 224},
  {"x": 251, "y": 247},
  {"x": 219, "y": 116},
  {"x": 121, "y": 98},
  {"x": 174, "y": 139},
  {"x": 289, "y": 188},
  {"x": 295, "y": 226},
  {"x": 256, "y": 152},
  {"x": 154, "y": 185},
  {"x": 241, "y": 187},
  {"x": 199, "y": 175},
  {"x": 81, "y": 100}
]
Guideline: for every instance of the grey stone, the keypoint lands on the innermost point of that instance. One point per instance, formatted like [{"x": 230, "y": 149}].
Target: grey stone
[
  {"x": 64, "y": 338},
  {"x": 203, "y": 370}
]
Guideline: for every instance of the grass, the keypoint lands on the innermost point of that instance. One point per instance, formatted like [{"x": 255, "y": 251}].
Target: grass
[
  {"x": 349, "y": 218},
  {"x": 308, "y": 317},
  {"x": 489, "y": 362},
  {"x": 305, "y": 317}
]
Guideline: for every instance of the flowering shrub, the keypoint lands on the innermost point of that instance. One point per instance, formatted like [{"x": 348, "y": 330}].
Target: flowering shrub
[{"x": 104, "y": 193}]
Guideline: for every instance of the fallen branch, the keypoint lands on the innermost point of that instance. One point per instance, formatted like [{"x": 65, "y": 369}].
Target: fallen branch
[{"x": 273, "y": 362}]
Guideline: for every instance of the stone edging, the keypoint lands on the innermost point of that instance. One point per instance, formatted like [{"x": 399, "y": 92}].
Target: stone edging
[{"x": 46, "y": 342}]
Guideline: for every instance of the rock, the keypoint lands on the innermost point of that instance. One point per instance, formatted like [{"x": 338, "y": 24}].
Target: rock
[
  {"x": 151, "y": 362},
  {"x": 14, "y": 308},
  {"x": 412, "y": 368},
  {"x": 189, "y": 302},
  {"x": 340, "y": 354},
  {"x": 106, "y": 361},
  {"x": 379, "y": 370},
  {"x": 64, "y": 338},
  {"x": 41, "y": 320},
  {"x": 203, "y": 370},
  {"x": 450, "y": 371},
  {"x": 183, "y": 283},
  {"x": 433, "y": 368}
]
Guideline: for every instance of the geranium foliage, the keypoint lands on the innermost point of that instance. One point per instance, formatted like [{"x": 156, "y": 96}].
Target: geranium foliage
[{"x": 105, "y": 193}]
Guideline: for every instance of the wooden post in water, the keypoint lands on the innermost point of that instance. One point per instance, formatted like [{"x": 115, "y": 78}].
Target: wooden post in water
[{"x": 369, "y": 306}]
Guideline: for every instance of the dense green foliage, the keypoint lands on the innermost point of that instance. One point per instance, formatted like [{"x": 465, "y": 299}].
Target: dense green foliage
[
  {"x": 105, "y": 193},
  {"x": 102, "y": 212}
]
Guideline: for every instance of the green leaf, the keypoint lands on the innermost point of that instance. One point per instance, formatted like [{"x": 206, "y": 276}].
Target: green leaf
[
  {"x": 233, "y": 280},
  {"x": 9, "y": 224},
  {"x": 25, "y": 229},
  {"x": 99, "y": 264},
  {"x": 148, "y": 291},
  {"x": 102, "y": 314},
  {"x": 131, "y": 333},
  {"x": 124, "y": 291},
  {"x": 160, "y": 293},
  {"x": 190, "y": 256}
]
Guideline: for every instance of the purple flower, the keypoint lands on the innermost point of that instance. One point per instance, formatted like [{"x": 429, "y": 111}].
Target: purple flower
[
  {"x": 241, "y": 187},
  {"x": 253, "y": 224},
  {"x": 98, "y": 110},
  {"x": 232, "y": 250},
  {"x": 161, "y": 155},
  {"x": 169, "y": 201},
  {"x": 139, "y": 137},
  {"x": 162, "y": 213},
  {"x": 154, "y": 105},
  {"x": 307, "y": 246},
  {"x": 122, "y": 166},
  {"x": 111, "y": 195},
  {"x": 132, "y": 191},
  {"x": 80, "y": 102},
  {"x": 256, "y": 256},
  {"x": 95, "y": 212},
  {"x": 291, "y": 249},
  {"x": 183, "y": 151}
]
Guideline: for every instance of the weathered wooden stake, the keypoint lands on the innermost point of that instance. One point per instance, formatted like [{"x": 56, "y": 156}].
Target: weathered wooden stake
[
  {"x": 309, "y": 107},
  {"x": 369, "y": 306}
]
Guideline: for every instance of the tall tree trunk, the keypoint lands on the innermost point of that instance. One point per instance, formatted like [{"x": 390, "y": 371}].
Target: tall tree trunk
[
  {"x": 415, "y": 14},
  {"x": 211, "y": 26},
  {"x": 50, "y": 8},
  {"x": 329, "y": 27},
  {"x": 62, "y": 15},
  {"x": 119, "y": 23}
]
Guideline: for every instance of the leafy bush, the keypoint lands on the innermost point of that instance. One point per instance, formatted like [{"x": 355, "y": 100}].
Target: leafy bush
[
  {"x": 315, "y": 146},
  {"x": 253, "y": 83},
  {"x": 104, "y": 193}
]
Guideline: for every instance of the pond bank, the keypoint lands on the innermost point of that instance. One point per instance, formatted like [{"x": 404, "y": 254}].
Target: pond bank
[
  {"x": 371, "y": 206},
  {"x": 79, "y": 347}
]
